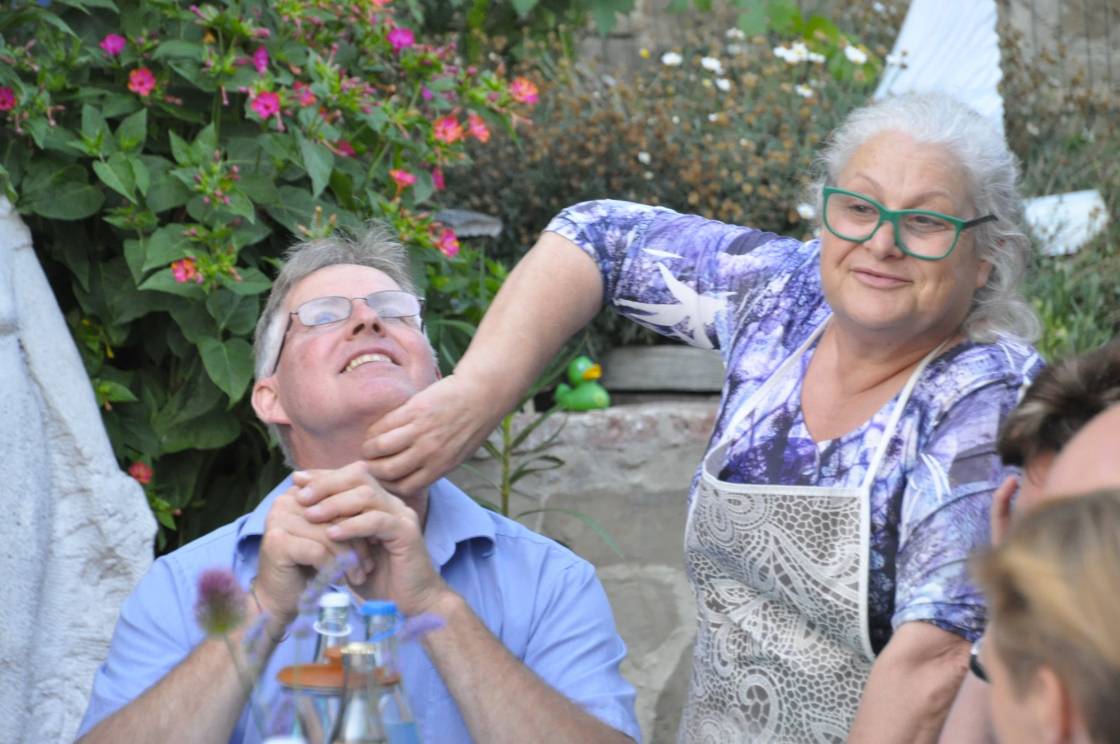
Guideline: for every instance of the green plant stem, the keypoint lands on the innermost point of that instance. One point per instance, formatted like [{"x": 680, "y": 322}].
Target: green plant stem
[
  {"x": 248, "y": 683},
  {"x": 507, "y": 453}
]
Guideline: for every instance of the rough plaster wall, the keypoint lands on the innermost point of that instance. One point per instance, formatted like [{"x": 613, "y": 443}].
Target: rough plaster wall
[{"x": 77, "y": 532}]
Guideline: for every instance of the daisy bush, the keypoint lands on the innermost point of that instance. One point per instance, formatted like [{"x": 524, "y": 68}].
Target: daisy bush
[
  {"x": 164, "y": 154},
  {"x": 724, "y": 124}
]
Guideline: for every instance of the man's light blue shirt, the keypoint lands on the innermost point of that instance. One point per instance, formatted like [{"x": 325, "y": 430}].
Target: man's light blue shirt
[{"x": 539, "y": 599}]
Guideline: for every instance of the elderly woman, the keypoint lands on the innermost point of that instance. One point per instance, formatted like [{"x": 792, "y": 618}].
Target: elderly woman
[
  {"x": 1052, "y": 654},
  {"x": 853, "y": 460}
]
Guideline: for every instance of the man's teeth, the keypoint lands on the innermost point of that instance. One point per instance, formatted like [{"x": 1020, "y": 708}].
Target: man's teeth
[{"x": 358, "y": 361}]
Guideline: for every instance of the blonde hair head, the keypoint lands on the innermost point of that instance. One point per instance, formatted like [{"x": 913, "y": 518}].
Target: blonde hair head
[{"x": 1053, "y": 601}]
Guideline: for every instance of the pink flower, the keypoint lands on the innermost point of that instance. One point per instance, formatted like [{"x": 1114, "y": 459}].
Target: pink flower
[
  {"x": 401, "y": 38},
  {"x": 260, "y": 60},
  {"x": 524, "y": 91},
  {"x": 113, "y": 44},
  {"x": 478, "y": 128},
  {"x": 448, "y": 243},
  {"x": 344, "y": 148},
  {"x": 7, "y": 99},
  {"x": 448, "y": 130},
  {"x": 303, "y": 94},
  {"x": 141, "y": 471},
  {"x": 141, "y": 81},
  {"x": 185, "y": 271},
  {"x": 403, "y": 178},
  {"x": 265, "y": 104},
  {"x": 426, "y": 93},
  {"x": 437, "y": 179},
  {"x": 380, "y": 3}
]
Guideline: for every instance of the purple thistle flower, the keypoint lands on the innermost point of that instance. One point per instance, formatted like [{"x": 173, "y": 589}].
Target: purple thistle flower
[
  {"x": 332, "y": 573},
  {"x": 221, "y": 602}
]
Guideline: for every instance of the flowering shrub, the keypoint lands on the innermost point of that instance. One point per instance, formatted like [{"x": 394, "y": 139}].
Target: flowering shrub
[
  {"x": 723, "y": 125},
  {"x": 165, "y": 155}
]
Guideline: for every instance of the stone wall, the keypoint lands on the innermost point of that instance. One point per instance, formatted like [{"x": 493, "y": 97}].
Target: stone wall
[{"x": 628, "y": 467}]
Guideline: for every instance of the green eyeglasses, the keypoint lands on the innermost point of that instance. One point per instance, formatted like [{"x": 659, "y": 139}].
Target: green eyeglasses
[{"x": 921, "y": 233}]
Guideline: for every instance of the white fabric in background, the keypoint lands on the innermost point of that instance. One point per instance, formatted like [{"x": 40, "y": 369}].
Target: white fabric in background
[
  {"x": 76, "y": 533},
  {"x": 948, "y": 46}
]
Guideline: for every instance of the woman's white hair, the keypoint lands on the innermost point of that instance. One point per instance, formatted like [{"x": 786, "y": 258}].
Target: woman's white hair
[{"x": 998, "y": 308}]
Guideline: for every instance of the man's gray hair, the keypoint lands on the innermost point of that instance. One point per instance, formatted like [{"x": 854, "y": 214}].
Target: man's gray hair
[
  {"x": 376, "y": 248},
  {"x": 998, "y": 308}
]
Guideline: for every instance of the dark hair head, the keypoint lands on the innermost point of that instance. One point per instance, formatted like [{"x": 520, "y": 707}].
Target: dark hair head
[{"x": 1059, "y": 402}]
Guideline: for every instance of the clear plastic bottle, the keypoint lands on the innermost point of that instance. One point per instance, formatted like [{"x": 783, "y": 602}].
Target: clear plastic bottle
[
  {"x": 332, "y": 625},
  {"x": 382, "y": 622},
  {"x": 358, "y": 721}
]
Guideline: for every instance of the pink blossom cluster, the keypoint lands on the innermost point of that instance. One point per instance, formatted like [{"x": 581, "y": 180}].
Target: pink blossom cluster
[{"x": 186, "y": 270}]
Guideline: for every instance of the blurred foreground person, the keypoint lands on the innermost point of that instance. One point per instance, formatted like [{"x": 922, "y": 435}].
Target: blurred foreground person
[
  {"x": 1052, "y": 650},
  {"x": 1063, "y": 399}
]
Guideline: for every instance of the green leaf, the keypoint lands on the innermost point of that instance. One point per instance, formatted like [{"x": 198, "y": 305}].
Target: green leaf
[
  {"x": 76, "y": 258},
  {"x": 233, "y": 312},
  {"x": 319, "y": 161},
  {"x": 178, "y": 48},
  {"x": 192, "y": 319},
  {"x": 60, "y": 194},
  {"x": 229, "y": 364},
  {"x": 111, "y": 392},
  {"x": 165, "y": 245},
  {"x": 252, "y": 282},
  {"x": 134, "y": 253},
  {"x": 180, "y": 150},
  {"x": 211, "y": 431},
  {"x": 133, "y": 131},
  {"x": 95, "y": 130},
  {"x": 166, "y": 192},
  {"x": 116, "y": 173},
  {"x": 523, "y": 7},
  {"x": 785, "y": 17},
  {"x": 753, "y": 21},
  {"x": 83, "y": 4},
  {"x": 119, "y": 104},
  {"x": 423, "y": 188},
  {"x": 205, "y": 144},
  {"x": 140, "y": 173},
  {"x": 293, "y": 208},
  {"x": 259, "y": 187},
  {"x": 586, "y": 519}
]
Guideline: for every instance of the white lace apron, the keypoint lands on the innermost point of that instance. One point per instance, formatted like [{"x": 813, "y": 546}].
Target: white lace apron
[{"x": 780, "y": 575}]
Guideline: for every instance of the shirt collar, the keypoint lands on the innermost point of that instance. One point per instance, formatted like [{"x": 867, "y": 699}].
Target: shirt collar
[{"x": 453, "y": 518}]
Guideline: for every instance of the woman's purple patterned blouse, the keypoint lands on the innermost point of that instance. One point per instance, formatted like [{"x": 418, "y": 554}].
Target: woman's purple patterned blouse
[{"x": 756, "y": 297}]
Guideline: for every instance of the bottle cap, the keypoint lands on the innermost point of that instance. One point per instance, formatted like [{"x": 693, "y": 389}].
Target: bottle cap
[
  {"x": 375, "y": 607},
  {"x": 334, "y": 599}
]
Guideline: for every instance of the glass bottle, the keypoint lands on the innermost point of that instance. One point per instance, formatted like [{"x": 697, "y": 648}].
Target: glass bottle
[
  {"x": 332, "y": 625},
  {"x": 358, "y": 721},
  {"x": 381, "y": 620}
]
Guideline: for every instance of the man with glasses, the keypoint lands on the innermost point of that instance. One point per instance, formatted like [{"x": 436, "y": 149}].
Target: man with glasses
[{"x": 528, "y": 649}]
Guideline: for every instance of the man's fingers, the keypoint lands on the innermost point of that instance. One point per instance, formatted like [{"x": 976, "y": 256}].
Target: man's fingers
[
  {"x": 353, "y": 501},
  {"x": 387, "y": 528},
  {"x": 315, "y": 485}
]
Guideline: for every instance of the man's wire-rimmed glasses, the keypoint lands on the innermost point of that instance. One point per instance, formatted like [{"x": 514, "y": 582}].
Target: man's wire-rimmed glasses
[
  {"x": 921, "y": 233},
  {"x": 389, "y": 304}
]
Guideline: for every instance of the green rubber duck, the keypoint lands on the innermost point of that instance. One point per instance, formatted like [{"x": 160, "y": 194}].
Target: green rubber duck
[{"x": 584, "y": 393}]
